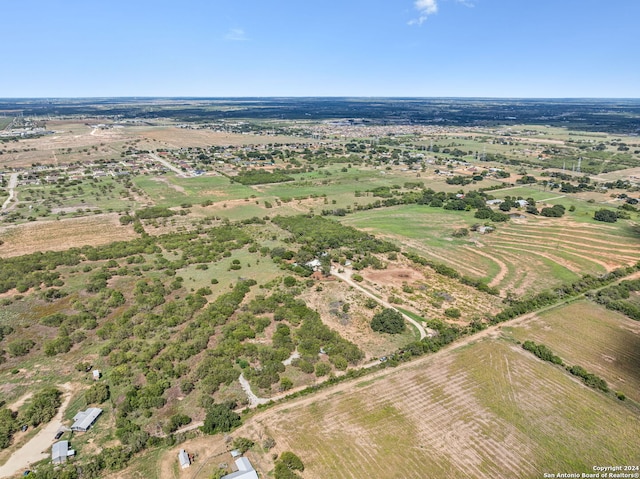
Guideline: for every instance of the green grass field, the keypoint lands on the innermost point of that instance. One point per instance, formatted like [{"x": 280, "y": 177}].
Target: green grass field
[
  {"x": 519, "y": 256},
  {"x": 170, "y": 190}
]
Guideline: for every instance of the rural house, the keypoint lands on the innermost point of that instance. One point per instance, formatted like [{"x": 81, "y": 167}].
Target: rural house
[
  {"x": 60, "y": 451},
  {"x": 85, "y": 419}
]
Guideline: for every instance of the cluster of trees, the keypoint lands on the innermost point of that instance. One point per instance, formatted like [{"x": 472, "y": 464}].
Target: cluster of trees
[
  {"x": 221, "y": 418},
  {"x": 152, "y": 212},
  {"x": 589, "y": 379},
  {"x": 43, "y": 406},
  {"x": 546, "y": 298},
  {"x": 259, "y": 177},
  {"x": 97, "y": 394},
  {"x": 28, "y": 271},
  {"x": 617, "y": 298},
  {"x": 388, "y": 321},
  {"x": 287, "y": 465},
  {"x": 8, "y": 425},
  {"x": 555, "y": 211},
  {"x": 541, "y": 351},
  {"x": 605, "y": 215},
  {"x": 321, "y": 234},
  {"x": 486, "y": 213}
]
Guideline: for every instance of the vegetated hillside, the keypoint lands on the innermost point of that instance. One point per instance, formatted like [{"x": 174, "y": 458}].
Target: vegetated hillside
[{"x": 163, "y": 349}]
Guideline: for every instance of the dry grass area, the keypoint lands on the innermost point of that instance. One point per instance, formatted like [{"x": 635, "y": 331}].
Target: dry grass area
[
  {"x": 64, "y": 234},
  {"x": 183, "y": 137},
  {"x": 52, "y": 149},
  {"x": 486, "y": 410},
  {"x": 609, "y": 343},
  {"x": 354, "y": 325},
  {"x": 428, "y": 294}
]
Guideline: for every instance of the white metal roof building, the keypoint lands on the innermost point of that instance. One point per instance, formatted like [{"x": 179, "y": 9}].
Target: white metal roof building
[
  {"x": 245, "y": 470},
  {"x": 183, "y": 457},
  {"x": 60, "y": 451},
  {"x": 85, "y": 419}
]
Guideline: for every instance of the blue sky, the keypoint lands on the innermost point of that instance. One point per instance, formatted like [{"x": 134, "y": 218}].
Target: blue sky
[{"x": 426, "y": 48}]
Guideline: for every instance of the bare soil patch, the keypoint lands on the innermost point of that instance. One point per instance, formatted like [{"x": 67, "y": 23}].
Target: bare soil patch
[
  {"x": 184, "y": 137},
  {"x": 64, "y": 234}
]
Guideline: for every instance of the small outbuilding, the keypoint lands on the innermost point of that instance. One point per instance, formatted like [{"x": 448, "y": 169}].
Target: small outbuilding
[
  {"x": 184, "y": 459},
  {"x": 60, "y": 452},
  {"x": 85, "y": 419},
  {"x": 245, "y": 470}
]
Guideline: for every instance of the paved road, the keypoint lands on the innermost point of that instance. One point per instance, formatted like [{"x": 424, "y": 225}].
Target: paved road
[
  {"x": 13, "y": 183},
  {"x": 346, "y": 277},
  {"x": 169, "y": 165}
]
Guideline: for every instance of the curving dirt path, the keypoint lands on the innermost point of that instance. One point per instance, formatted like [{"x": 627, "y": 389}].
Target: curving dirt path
[
  {"x": 346, "y": 277},
  {"x": 504, "y": 269},
  {"x": 32, "y": 451}
]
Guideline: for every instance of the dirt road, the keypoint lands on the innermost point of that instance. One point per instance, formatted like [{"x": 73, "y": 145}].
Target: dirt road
[
  {"x": 13, "y": 183},
  {"x": 39, "y": 446}
]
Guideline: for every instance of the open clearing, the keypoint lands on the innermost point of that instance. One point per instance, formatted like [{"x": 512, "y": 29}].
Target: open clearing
[
  {"x": 609, "y": 344},
  {"x": 486, "y": 410},
  {"x": 183, "y": 137},
  {"x": 61, "y": 235}
]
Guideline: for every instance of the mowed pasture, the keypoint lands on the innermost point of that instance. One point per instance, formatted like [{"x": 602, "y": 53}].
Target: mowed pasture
[
  {"x": 169, "y": 190},
  {"x": 609, "y": 344},
  {"x": 522, "y": 255},
  {"x": 486, "y": 410},
  {"x": 61, "y": 235}
]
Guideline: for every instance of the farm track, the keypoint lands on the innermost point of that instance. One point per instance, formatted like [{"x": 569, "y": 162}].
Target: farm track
[
  {"x": 563, "y": 257},
  {"x": 574, "y": 239},
  {"x": 13, "y": 183},
  {"x": 504, "y": 268}
]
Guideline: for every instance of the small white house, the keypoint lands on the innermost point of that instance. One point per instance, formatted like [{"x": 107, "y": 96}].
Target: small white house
[{"x": 96, "y": 374}]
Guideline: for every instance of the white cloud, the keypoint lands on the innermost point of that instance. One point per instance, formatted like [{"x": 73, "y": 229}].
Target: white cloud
[
  {"x": 236, "y": 35},
  {"x": 425, "y": 8}
]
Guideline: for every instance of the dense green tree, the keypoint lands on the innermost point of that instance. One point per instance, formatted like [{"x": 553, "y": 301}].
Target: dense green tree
[
  {"x": 388, "y": 321},
  {"x": 97, "y": 394},
  {"x": 220, "y": 418},
  {"x": 605, "y": 215}
]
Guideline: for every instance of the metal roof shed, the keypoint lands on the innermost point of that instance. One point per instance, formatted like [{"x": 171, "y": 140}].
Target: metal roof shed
[
  {"x": 85, "y": 419},
  {"x": 245, "y": 470},
  {"x": 60, "y": 451},
  {"x": 183, "y": 457}
]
